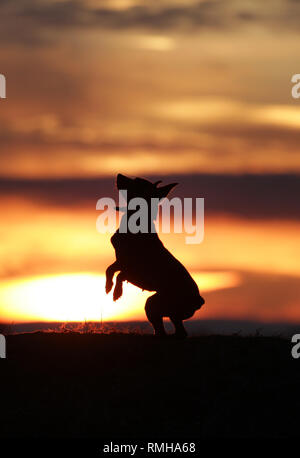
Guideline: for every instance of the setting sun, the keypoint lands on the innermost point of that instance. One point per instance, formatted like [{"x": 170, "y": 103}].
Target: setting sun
[{"x": 81, "y": 296}]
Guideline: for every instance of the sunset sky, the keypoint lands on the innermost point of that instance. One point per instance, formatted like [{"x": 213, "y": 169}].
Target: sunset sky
[{"x": 197, "y": 92}]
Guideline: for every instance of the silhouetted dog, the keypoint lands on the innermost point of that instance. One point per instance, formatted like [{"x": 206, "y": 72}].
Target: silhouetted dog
[{"x": 143, "y": 261}]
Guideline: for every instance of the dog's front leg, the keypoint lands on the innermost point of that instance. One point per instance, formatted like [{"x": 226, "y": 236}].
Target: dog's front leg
[
  {"x": 118, "y": 291},
  {"x": 110, "y": 272}
]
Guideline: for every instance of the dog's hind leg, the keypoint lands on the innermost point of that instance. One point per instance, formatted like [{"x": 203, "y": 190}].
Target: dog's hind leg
[
  {"x": 154, "y": 313},
  {"x": 180, "y": 331},
  {"x": 110, "y": 271},
  {"x": 118, "y": 291}
]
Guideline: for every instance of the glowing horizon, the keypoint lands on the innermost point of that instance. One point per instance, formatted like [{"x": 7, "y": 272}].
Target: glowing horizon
[{"x": 81, "y": 297}]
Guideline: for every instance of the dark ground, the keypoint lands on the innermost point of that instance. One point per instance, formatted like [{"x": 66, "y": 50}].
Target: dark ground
[{"x": 73, "y": 385}]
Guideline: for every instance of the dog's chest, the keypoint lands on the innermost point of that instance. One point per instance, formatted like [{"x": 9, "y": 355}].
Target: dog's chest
[
  {"x": 122, "y": 242},
  {"x": 117, "y": 240},
  {"x": 114, "y": 240},
  {"x": 133, "y": 245}
]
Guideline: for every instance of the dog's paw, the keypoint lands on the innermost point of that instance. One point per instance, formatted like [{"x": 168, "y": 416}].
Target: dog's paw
[
  {"x": 108, "y": 286},
  {"x": 118, "y": 291}
]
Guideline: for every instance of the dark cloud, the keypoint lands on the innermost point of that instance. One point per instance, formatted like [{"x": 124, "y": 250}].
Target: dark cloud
[
  {"x": 77, "y": 13},
  {"x": 220, "y": 145},
  {"x": 247, "y": 196},
  {"x": 34, "y": 16}
]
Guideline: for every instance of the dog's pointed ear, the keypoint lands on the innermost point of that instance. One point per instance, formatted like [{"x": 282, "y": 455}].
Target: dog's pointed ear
[{"x": 163, "y": 191}]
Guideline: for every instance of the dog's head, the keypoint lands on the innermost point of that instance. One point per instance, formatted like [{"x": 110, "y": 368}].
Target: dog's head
[{"x": 139, "y": 187}]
